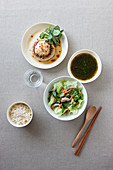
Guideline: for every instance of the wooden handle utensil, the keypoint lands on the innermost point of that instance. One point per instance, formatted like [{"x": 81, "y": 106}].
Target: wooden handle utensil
[
  {"x": 89, "y": 115},
  {"x": 87, "y": 132}
]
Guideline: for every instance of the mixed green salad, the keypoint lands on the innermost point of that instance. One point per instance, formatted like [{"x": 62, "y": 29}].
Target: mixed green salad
[{"x": 65, "y": 97}]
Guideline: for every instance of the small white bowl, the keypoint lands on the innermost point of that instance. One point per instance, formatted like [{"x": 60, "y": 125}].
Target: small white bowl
[
  {"x": 8, "y": 116},
  {"x": 64, "y": 117},
  {"x": 88, "y": 52}
]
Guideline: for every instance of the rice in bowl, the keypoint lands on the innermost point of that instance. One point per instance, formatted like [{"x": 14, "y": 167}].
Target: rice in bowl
[{"x": 19, "y": 114}]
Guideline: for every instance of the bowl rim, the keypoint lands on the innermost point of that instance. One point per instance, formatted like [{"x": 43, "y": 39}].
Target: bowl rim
[
  {"x": 95, "y": 55},
  {"x": 46, "y": 106},
  {"x": 8, "y": 117},
  {"x": 34, "y": 64}
]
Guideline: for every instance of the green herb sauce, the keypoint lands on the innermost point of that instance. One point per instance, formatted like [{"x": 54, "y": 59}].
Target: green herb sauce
[{"x": 84, "y": 66}]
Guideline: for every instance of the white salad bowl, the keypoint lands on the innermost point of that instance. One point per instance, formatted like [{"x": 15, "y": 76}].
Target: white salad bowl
[{"x": 64, "y": 117}]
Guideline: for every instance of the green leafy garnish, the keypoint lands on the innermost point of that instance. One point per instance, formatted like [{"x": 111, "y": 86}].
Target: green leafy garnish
[
  {"x": 66, "y": 104},
  {"x": 56, "y": 32},
  {"x": 62, "y": 109},
  {"x": 54, "y": 93},
  {"x": 42, "y": 35},
  {"x": 61, "y": 94},
  {"x": 52, "y": 35}
]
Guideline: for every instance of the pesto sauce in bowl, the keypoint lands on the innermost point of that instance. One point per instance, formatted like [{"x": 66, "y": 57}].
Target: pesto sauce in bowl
[{"x": 84, "y": 66}]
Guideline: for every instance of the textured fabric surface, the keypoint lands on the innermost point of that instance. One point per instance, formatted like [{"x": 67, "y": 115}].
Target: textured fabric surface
[{"x": 46, "y": 143}]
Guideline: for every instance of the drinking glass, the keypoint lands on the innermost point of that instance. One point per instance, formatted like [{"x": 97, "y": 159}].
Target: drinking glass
[{"x": 33, "y": 78}]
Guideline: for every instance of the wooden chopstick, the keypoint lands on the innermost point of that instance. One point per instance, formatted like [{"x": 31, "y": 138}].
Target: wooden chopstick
[{"x": 87, "y": 132}]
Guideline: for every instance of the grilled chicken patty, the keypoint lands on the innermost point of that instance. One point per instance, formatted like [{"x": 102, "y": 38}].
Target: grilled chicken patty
[{"x": 42, "y": 50}]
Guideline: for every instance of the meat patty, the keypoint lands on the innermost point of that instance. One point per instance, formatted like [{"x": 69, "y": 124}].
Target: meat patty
[{"x": 42, "y": 50}]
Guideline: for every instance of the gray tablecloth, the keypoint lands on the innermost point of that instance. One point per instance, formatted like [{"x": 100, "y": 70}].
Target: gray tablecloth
[{"x": 46, "y": 143}]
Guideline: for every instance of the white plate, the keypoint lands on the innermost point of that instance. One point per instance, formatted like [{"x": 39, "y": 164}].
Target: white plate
[
  {"x": 98, "y": 62},
  {"x": 27, "y": 43},
  {"x": 64, "y": 117}
]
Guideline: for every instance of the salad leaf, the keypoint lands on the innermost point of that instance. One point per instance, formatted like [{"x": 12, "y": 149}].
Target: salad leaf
[
  {"x": 71, "y": 84},
  {"x": 42, "y": 35},
  {"x": 65, "y": 87},
  {"x": 76, "y": 97},
  {"x": 57, "y": 28},
  {"x": 54, "y": 93},
  {"x": 62, "y": 109},
  {"x": 49, "y": 37},
  {"x": 66, "y": 104},
  {"x": 74, "y": 110},
  {"x": 50, "y": 41},
  {"x": 55, "y": 41},
  {"x": 56, "y": 32},
  {"x": 45, "y": 38},
  {"x": 74, "y": 92},
  {"x": 80, "y": 103},
  {"x": 58, "y": 111},
  {"x": 53, "y": 100},
  {"x": 81, "y": 96},
  {"x": 61, "y": 94},
  {"x": 48, "y": 30},
  {"x": 72, "y": 100},
  {"x": 57, "y": 86}
]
